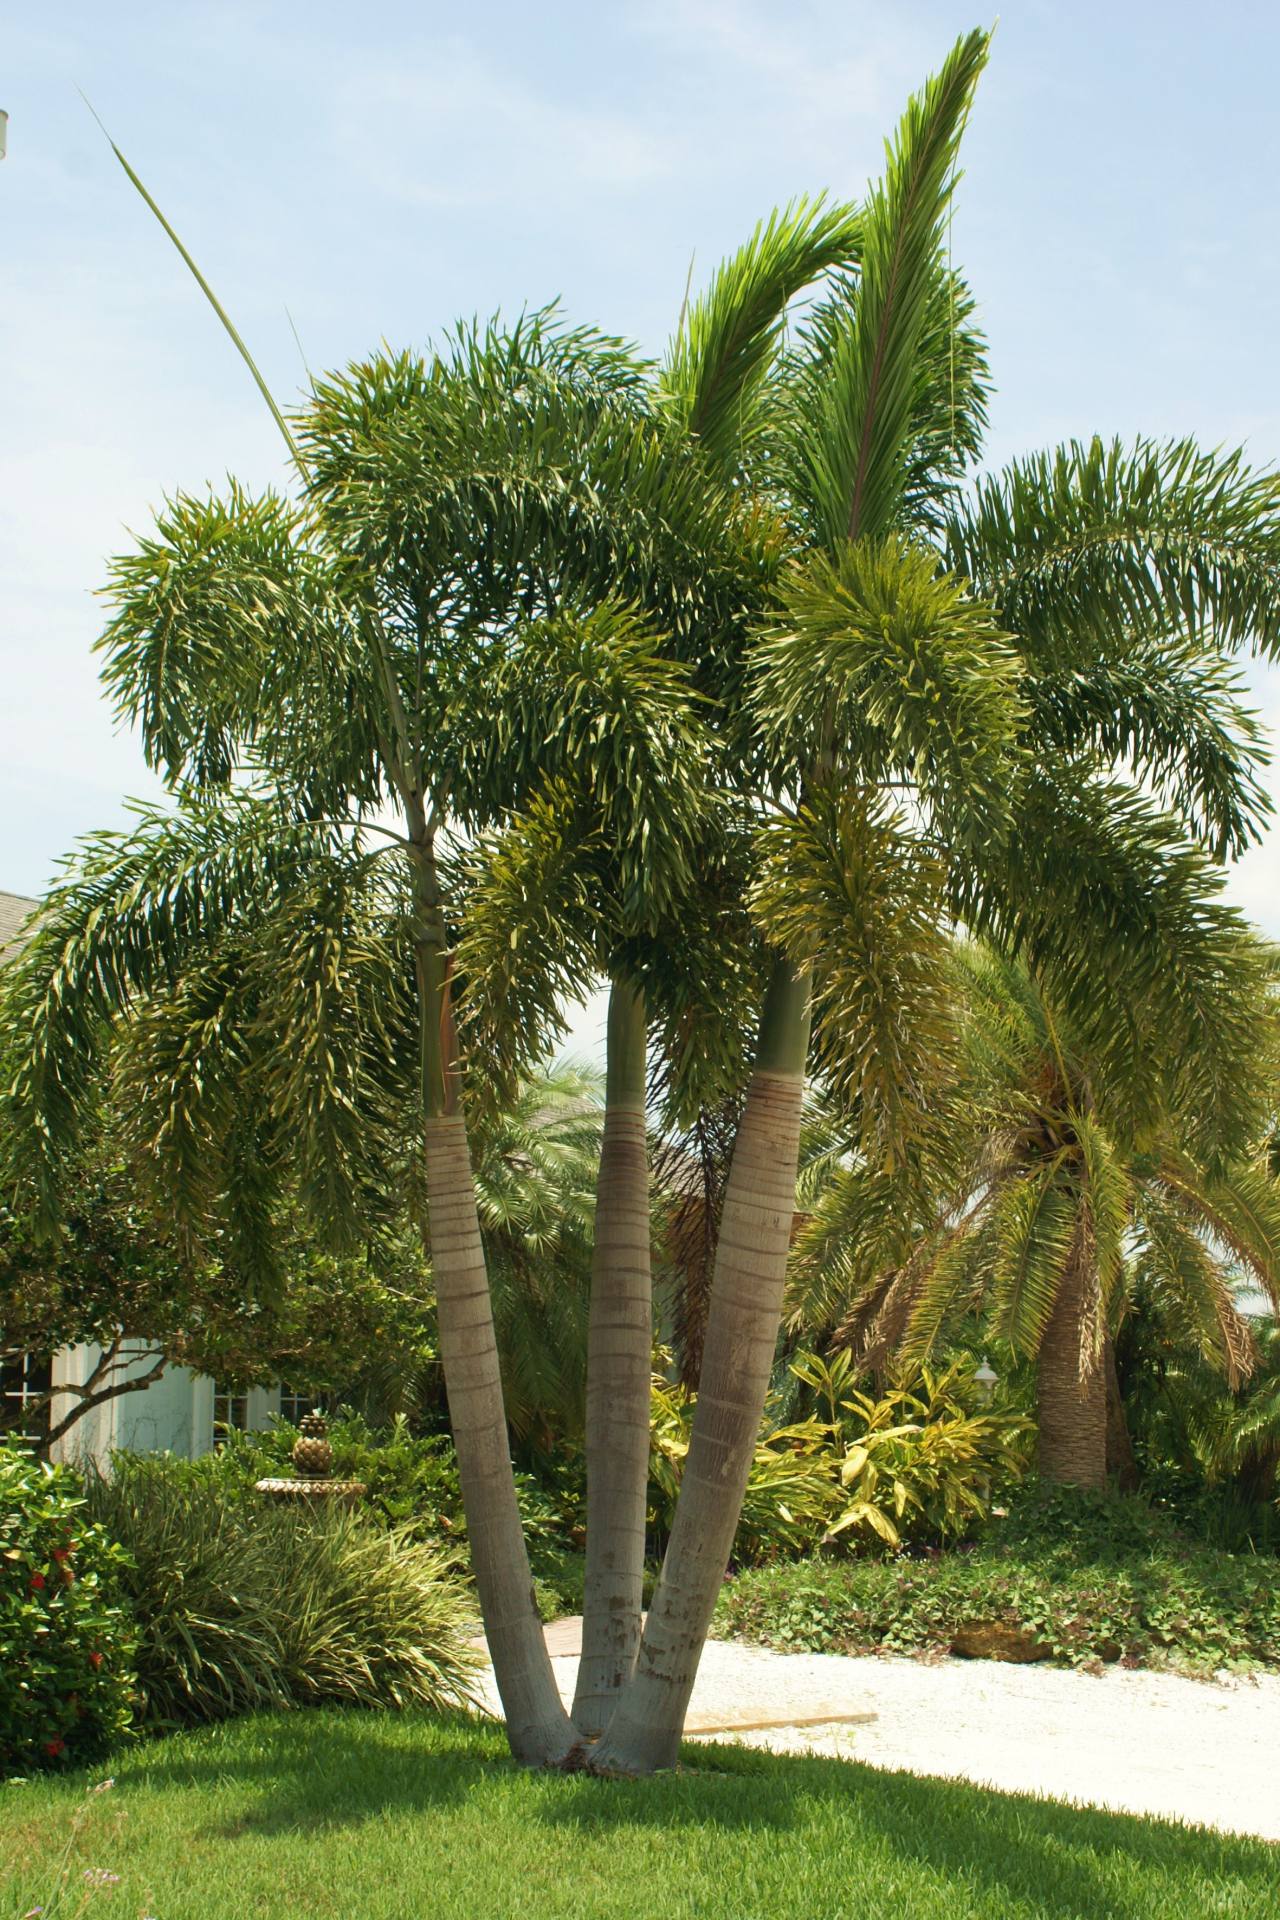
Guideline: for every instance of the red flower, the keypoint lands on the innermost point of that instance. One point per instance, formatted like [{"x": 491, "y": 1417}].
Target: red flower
[
  {"x": 95, "y": 1661},
  {"x": 54, "y": 1747},
  {"x": 37, "y": 1581},
  {"x": 60, "y": 1554}
]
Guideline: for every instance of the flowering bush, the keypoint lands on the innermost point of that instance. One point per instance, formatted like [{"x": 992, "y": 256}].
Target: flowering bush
[{"x": 66, "y": 1644}]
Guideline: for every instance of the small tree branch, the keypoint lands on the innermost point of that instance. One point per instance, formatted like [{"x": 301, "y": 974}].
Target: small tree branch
[{"x": 90, "y": 1395}]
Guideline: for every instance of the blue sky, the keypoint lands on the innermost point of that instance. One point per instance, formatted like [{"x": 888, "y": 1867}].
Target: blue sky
[{"x": 378, "y": 170}]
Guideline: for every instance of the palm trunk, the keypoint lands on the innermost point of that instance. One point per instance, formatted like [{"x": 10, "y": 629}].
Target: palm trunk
[
  {"x": 619, "y": 1361},
  {"x": 1072, "y": 1382},
  {"x": 742, "y": 1331},
  {"x": 539, "y": 1730}
]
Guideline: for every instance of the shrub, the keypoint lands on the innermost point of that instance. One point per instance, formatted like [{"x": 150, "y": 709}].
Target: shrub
[
  {"x": 553, "y": 1503},
  {"x": 1088, "y": 1578},
  {"x": 241, "y": 1605},
  {"x": 371, "y": 1618},
  {"x": 559, "y": 1579},
  {"x": 919, "y": 1464},
  {"x": 923, "y": 1460},
  {"x": 66, "y": 1675},
  {"x": 411, "y": 1482},
  {"x": 412, "y": 1486},
  {"x": 793, "y": 1488},
  {"x": 206, "y": 1614},
  {"x": 1222, "y": 1514}
]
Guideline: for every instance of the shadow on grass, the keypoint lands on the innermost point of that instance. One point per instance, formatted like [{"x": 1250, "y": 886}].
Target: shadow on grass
[
  {"x": 324, "y": 1767},
  {"x": 315, "y": 1771},
  {"x": 1067, "y": 1861}
]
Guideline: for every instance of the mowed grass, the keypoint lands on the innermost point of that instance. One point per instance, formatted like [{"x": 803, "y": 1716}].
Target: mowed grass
[{"x": 325, "y": 1813}]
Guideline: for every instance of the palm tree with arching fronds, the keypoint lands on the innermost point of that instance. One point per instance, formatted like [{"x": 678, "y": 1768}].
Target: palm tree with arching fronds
[{"x": 1065, "y": 1171}]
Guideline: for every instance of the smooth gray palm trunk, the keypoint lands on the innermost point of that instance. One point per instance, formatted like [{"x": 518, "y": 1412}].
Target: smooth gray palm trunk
[
  {"x": 619, "y": 1361},
  {"x": 538, "y": 1728},
  {"x": 742, "y": 1332}
]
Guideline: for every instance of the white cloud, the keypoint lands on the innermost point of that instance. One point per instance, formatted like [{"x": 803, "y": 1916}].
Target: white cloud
[
  {"x": 806, "y": 75},
  {"x": 830, "y": 57},
  {"x": 452, "y": 126}
]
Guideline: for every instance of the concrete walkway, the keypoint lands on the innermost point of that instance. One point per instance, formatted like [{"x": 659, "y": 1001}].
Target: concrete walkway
[{"x": 1148, "y": 1743}]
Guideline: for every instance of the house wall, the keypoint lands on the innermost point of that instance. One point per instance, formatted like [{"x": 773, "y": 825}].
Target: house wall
[{"x": 172, "y": 1415}]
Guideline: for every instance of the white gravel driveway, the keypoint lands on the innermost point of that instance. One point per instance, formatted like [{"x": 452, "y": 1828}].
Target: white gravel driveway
[{"x": 1135, "y": 1742}]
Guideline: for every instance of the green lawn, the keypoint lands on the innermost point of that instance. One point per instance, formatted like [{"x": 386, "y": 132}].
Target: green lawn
[{"x": 378, "y": 1815}]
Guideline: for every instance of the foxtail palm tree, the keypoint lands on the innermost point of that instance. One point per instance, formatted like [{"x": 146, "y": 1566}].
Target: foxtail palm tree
[
  {"x": 317, "y": 954},
  {"x": 712, "y": 394},
  {"x": 850, "y": 473}
]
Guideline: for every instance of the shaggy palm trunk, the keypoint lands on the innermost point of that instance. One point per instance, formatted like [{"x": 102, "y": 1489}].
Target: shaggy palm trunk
[
  {"x": 742, "y": 1332},
  {"x": 539, "y": 1730},
  {"x": 1071, "y": 1383},
  {"x": 619, "y": 1361}
]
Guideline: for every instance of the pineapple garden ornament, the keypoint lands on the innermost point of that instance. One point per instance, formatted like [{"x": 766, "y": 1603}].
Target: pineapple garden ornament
[
  {"x": 312, "y": 1453},
  {"x": 313, "y": 1462}
]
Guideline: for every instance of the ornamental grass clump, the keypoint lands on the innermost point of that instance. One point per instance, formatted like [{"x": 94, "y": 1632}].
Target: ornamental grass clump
[
  {"x": 240, "y": 1606},
  {"x": 66, "y": 1641},
  {"x": 372, "y": 1618}
]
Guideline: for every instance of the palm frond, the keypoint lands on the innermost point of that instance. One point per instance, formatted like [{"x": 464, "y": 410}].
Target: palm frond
[
  {"x": 493, "y": 482},
  {"x": 132, "y": 912},
  {"x": 703, "y": 975},
  {"x": 187, "y": 1091},
  {"x": 853, "y": 461},
  {"x": 591, "y": 699},
  {"x": 845, "y": 887},
  {"x": 1197, "y": 1301},
  {"x": 1237, "y": 1208},
  {"x": 912, "y": 1308},
  {"x": 1106, "y": 1200},
  {"x": 714, "y": 382},
  {"x": 860, "y": 1229},
  {"x": 1032, "y": 1236},
  {"x": 1081, "y": 547},
  {"x": 230, "y": 642},
  {"x": 905, "y": 674},
  {"x": 1170, "y": 711},
  {"x": 1124, "y": 921},
  {"x": 533, "y": 916}
]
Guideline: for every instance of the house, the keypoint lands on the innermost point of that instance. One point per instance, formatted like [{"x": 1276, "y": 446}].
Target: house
[
  {"x": 179, "y": 1412},
  {"x": 14, "y": 910}
]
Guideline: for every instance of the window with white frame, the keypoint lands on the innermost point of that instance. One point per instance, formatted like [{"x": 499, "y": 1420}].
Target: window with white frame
[
  {"x": 25, "y": 1380},
  {"x": 294, "y": 1403},
  {"x": 230, "y": 1414}
]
